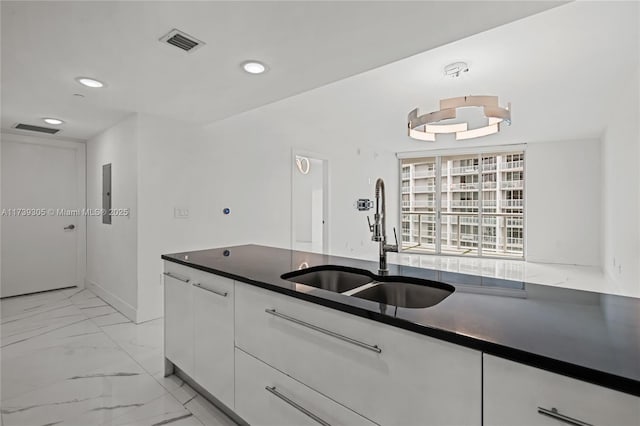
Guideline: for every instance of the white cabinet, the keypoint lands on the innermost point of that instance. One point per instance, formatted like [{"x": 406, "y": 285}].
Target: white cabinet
[
  {"x": 298, "y": 363},
  {"x": 213, "y": 335},
  {"x": 516, "y": 394},
  {"x": 178, "y": 316},
  {"x": 266, "y": 397},
  {"x": 388, "y": 375}
]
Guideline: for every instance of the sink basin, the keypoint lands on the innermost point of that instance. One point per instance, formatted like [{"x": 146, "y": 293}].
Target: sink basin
[
  {"x": 403, "y": 294},
  {"x": 333, "y": 278}
]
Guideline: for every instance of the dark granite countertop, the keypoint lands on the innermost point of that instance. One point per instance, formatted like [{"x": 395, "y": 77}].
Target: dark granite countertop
[{"x": 590, "y": 336}]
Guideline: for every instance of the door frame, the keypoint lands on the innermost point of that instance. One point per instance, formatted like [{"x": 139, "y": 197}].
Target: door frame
[
  {"x": 81, "y": 234},
  {"x": 325, "y": 194}
]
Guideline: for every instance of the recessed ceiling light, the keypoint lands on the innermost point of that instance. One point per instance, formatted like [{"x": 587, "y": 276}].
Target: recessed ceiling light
[
  {"x": 89, "y": 82},
  {"x": 254, "y": 67},
  {"x": 55, "y": 121}
]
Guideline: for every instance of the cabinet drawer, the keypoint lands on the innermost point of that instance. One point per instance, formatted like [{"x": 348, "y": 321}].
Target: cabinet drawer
[
  {"x": 265, "y": 396},
  {"x": 409, "y": 379},
  {"x": 513, "y": 394},
  {"x": 213, "y": 335}
]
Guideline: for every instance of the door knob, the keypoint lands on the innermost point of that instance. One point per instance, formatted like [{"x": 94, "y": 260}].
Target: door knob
[{"x": 70, "y": 227}]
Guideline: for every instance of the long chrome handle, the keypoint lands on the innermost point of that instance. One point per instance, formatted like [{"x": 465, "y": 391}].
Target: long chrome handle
[
  {"x": 177, "y": 277},
  {"x": 566, "y": 419},
  {"x": 272, "y": 389},
  {"x": 373, "y": 348},
  {"x": 219, "y": 293}
]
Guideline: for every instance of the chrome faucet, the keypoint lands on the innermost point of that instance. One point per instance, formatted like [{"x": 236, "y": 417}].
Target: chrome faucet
[{"x": 378, "y": 229}]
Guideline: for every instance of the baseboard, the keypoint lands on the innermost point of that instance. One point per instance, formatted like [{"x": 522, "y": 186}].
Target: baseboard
[{"x": 123, "y": 307}]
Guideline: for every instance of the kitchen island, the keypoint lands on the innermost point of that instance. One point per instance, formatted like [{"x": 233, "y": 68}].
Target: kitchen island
[{"x": 487, "y": 337}]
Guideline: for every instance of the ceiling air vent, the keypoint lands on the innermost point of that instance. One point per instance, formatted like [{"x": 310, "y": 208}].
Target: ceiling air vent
[
  {"x": 182, "y": 40},
  {"x": 39, "y": 129}
]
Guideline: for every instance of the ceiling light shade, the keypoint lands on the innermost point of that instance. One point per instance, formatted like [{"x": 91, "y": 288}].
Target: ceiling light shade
[
  {"x": 54, "y": 121},
  {"x": 425, "y": 128},
  {"x": 254, "y": 67},
  {"x": 89, "y": 82}
]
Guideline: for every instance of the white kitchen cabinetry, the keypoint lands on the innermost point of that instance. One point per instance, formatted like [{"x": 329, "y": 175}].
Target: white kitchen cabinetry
[
  {"x": 388, "y": 375},
  {"x": 266, "y": 397},
  {"x": 298, "y": 363},
  {"x": 516, "y": 394},
  {"x": 213, "y": 335},
  {"x": 178, "y": 316}
]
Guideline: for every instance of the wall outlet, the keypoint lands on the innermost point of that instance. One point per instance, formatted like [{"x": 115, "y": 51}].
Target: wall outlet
[{"x": 180, "y": 212}]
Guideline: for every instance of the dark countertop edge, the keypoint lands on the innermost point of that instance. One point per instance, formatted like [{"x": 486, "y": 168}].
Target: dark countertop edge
[{"x": 585, "y": 374}]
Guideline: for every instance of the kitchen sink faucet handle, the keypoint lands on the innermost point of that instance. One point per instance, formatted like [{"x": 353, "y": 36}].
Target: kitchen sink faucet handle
[{"x": 370, "y": 225}]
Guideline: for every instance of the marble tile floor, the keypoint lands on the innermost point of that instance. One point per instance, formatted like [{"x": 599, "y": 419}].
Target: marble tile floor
[{"x": 68, "y": 358}]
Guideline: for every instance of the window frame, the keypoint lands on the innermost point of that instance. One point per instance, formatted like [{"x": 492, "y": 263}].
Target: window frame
[{"x": 480, "y": 152}]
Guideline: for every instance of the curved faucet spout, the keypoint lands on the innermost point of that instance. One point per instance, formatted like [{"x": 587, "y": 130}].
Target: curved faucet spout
[
  {"x": 381, "y": 208},
  {"x": 379, "y": 227}
]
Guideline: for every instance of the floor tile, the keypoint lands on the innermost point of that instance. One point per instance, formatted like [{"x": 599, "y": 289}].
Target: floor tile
[
  {"x": 177, "y": 387},
  {"x": 82, "y": 295},
  {"x": 93, "y": 398},
  {"x": 143, "y": 342},
  {"x": 94, "y": 302},
  {"x": 31, "y": 365},
  {"x": 39, "y": 324},
  {"x": 69, "y": 358},
  {"x": 110, "y": 319},
  {"x": 32, "y": 303},
  {"x": 162, "y": 410},
  {"x": 207, "y": 413}
]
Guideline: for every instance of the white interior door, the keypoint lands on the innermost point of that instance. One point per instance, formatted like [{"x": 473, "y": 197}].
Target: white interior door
[{"x": 39, "y": 243}]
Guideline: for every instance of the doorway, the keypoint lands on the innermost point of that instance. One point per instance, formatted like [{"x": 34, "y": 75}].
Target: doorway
[
  {"x": 43, "y": 222},
  {"x": 309, "y": 202}
]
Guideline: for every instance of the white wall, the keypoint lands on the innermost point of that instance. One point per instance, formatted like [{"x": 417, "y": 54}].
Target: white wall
[
  {"x": 563, "y": 218},
  {"x": 172, "y": 174},
  {"x": 358, "y": 124},
  {"x": 563, "y": 199},
  {"x": 621, "y": 188},
  {"x": 112, "y": 249}
]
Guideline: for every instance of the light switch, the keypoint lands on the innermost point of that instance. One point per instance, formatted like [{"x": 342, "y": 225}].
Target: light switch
[{"x": 180, "y": 213}]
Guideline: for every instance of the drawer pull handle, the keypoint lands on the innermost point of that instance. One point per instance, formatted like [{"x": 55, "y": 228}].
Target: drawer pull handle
[
  {"x": 272, "y": 389},
  {"x": 219, "y": 293},
  {"x": 177, "y": 277},
  {"x": 566, "y": 419},
  {"x": 373, "y": 348}
]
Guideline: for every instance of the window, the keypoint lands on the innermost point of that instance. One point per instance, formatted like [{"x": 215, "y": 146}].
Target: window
[{"x": 470, "y": 205}]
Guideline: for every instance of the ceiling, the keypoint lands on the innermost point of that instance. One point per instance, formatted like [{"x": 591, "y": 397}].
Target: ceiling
[
  {"x": 306, "y": 44},
  {"x": 562, "y": 71}
]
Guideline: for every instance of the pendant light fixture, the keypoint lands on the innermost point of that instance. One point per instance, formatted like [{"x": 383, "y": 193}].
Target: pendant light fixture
[{"x": 426, "y": 127}]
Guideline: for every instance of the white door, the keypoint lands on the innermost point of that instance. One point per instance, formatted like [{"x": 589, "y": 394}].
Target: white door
[{"x": 39, "y": 244}]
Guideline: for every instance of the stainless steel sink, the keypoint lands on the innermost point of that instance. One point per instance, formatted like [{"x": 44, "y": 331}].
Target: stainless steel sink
[
  {"x": 404, "y": 292},
  {"x": 333, "y": 278},
  {"x": 417, "y": 294}
]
